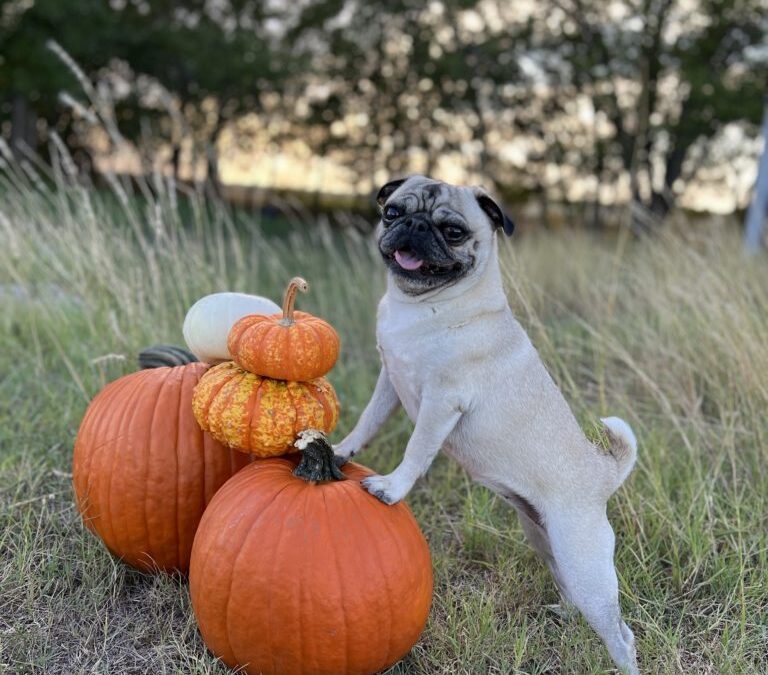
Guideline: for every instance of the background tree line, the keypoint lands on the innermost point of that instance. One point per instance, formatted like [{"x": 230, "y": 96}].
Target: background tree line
[{"x": 616, "y": 97}]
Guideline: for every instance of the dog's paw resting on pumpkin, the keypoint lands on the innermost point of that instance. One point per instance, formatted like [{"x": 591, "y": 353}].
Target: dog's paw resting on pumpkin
[{"x": 389, "y": 489}]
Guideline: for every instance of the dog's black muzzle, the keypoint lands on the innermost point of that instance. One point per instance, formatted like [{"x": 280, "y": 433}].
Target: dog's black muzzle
[{"x": 416, "y": 234}]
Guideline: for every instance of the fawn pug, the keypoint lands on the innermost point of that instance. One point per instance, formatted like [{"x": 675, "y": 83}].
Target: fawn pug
[{"x": 467, "y": 375}]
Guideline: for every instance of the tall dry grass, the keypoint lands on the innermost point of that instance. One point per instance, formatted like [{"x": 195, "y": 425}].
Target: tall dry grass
[{"x": 669, "y": 332}]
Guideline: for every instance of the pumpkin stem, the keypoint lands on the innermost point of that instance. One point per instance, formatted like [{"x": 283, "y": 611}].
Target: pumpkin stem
[
  {"x": 318, "y": 463},
  {"x": 294, "y": 286}
]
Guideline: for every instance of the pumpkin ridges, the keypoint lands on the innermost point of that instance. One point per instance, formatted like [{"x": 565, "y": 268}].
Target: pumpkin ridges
[
  {"x": 308, "y": 353},
  {"x": 250, "y": 344},
  {"x": 153, "y": 471},
  {"x": 231, "y": 381},
  {"x": 235, "y": 412},
  {"x": 125, "y": 453},
  {"x": 118, "y": 451},
  {"x": 255, "y": 417},
  {"x": 329, "y": 517},
  {"x": 80, "y": 478},
  {"x": 307, "y": 516},
  {"x": 106, "y": 503},
  {"x": 213, "y": 382},
  {"x": 243, "y": 341},
  {"x": 178, "y": 386},
  {"x": 236, "y": 333},
  {"x": 219, "y": 405},
  {"x": 182, "y": 510},
  {"x": 314, "y": 343},
  {"x": 220, "y": 379},
  {"x": 284, "y": 422},
  {"x": 292, "y": 404},
  {"x": 93, "y": 499},
  {"x": 367, "y": 557},
  {"x": 313, "y": 393},
  {"x": 255, "y": 410},
  {"x": 277, "y": 612},
  {"x": 323, "y": 356},
  {"x": 322, "y": 345},
  {"x": 283, "y": 339},
  {"x": 330, "y": 414},
  {"x": 403, "y": 565},
  {"x": 264, "y": 509},
  {"x": 93, "y": 493},
  {"x": 303, "y": 402},
  {"x": 113, "y": 475},
  {"x": 379, "y": 562},
  {"x": 247, "y": 500},
  {"x": 279, "y": 338}
]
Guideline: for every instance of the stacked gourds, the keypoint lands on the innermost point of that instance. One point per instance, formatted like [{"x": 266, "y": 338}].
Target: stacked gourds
[
  {"x": 274, "y": 387},
  {"x": 294, "y": 569}
]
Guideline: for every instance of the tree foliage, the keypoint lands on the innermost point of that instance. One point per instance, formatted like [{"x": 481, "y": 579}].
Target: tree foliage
[{"x": 568, "y": 98}]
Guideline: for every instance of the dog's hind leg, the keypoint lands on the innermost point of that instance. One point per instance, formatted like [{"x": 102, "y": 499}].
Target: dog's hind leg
[
  {"x": 582, "y": 545},
  {"x": 536, "y": 534}
]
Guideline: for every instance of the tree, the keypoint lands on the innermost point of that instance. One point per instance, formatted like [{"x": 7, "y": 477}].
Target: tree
[
  {"x": 31, "y": 77},
  {"x": 211, "y": 60},
  {"x": 394, "y": 86},
  {"x": 566, "y": 93},
  {"x": 665, "y": 75}
]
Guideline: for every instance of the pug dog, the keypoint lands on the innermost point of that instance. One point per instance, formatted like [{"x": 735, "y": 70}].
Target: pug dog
[{"x": 467, "y": 375}]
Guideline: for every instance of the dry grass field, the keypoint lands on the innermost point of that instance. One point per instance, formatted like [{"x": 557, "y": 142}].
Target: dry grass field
[{"x": 669, "y": 332}]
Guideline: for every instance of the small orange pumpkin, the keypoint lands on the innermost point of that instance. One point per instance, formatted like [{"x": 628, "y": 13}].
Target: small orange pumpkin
[
  {"x": 294, "y": 571},
  {"x": 294, "y": 346},
  {"x": 260, "y": 415},
  {"x": 143, "y": 471}
]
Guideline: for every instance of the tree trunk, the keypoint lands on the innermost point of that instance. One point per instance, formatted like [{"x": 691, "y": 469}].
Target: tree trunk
[
  {"x": 212, "y": 159},
  {"x": 23, "y": 125},
  {"x": 175, "y": 160}
]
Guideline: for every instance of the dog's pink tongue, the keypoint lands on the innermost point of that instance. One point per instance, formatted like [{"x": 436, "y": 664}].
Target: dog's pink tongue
[{"x": 407, "y": 261}]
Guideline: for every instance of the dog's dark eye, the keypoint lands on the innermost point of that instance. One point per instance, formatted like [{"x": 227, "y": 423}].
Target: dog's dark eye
[
  {"x": 453, "y": 234},
  {"x": 391, "y": 212}
]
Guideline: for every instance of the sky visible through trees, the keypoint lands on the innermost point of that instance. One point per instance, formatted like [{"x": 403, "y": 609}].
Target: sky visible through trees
[{"x": 592, "y": 101}]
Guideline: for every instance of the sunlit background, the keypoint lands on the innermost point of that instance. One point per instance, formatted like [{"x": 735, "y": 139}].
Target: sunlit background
[{"x": 566, "y": 108}]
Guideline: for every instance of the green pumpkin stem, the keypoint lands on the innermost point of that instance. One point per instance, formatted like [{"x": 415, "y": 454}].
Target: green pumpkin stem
[
  {"x": 318, "y": 463},
  {"x": 289, "y": 299}
]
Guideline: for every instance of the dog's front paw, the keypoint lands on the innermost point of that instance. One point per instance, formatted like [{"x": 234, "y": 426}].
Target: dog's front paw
[
  {"x": 385, "y": 488},
  {"x": 343, "y": 452}
]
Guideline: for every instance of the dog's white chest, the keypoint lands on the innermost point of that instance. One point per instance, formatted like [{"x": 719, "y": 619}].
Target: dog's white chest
[
  {"x": 405, "y": 352},
  {"x": 403, "y": 367}
]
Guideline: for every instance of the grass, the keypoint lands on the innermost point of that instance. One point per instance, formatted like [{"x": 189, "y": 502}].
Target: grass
[{"x": 669, "y": 332}]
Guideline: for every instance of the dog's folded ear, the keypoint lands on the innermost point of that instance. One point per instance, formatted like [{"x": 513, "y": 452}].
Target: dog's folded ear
[
  {"x": 386, "y": 190},
  {"x": 494, "y": 212}
]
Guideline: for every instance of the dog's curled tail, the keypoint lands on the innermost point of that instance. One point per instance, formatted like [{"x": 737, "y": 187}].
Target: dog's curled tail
[{"x": 622, "y": 446}]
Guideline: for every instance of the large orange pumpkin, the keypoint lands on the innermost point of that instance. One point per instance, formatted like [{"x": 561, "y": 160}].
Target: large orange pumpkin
[
  {"x": 308, "y": 575},
  {"x": 144, "y": 471},
  {"x": 258, "y": 414},
  {"x": 294, "y": 346}
]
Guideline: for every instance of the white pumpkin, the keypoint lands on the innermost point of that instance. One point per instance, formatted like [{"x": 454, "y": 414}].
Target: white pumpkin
[{"x": 210, "y": 319}]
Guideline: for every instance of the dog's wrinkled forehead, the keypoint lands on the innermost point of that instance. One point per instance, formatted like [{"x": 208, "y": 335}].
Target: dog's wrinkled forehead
[
  {"x": 419, "y": 194},
  {"x": 427, "y": 195}
]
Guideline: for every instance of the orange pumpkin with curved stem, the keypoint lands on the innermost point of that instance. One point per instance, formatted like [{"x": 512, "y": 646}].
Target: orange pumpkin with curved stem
[
  {"x": 295, "y": 571},
  {"x": 294, "y": 346},
  {"x": 258, "y": 414},
  {"x": 143, "y": 471}
]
